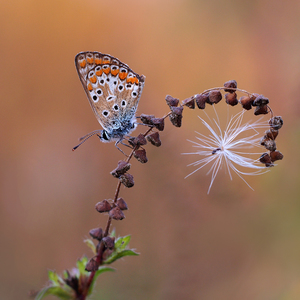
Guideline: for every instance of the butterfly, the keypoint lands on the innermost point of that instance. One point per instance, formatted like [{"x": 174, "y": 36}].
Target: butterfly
[{"x": 113, "y": 90}]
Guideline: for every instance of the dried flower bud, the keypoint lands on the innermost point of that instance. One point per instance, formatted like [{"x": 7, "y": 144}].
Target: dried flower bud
[
  {"x": 71, "y": 281},
  {"x": 109, "y": 242},
  {"x": 127, "y": 180},
  {"x": 103, "y": 206},
  {"x": 122, "y": 168},
  {"x": 92, "y": 265},
  {"x": 276, "y": 155},
  {"x": 214, "y": 97},
  {"x": 266, "y": 159},
  {"x": 171, "y": 101},
  {"x": 147, "y": 119},
  {"x": 107, "y": 253},
  {"x": 260, "y": 100},
  {"x": 201, "y": 100},
  {"x": 270, "y": 145},
  {"x": 189, "y": 102},
  {"x": 246, "y": 102},
  {"x": 176, "y": 116},
  {"x": 140, "y": 140},
  {"x": 276, "y": 122},
  {"x": 272, "y": 133},
  {"x": 263, "y": 140},
  {"x": 122, "y": 204},
  {"x": 116, "y": 214},
  {"x": 159, "y": 123},
  {"x": 154, "y": 139},
  {"x": 231, "y": 86},
  {"x": 261, "y": 110},
  {"x": 96, "y": 233},
  {"x": 140, "y": 155},
  {"x": 231, "y": 99}
]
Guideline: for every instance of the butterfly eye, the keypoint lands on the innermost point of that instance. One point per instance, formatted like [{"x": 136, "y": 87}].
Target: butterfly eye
[
  {"x": 123, "y": 103},
  {"x": 104, "y": 135},
  {"x": 105, "y": 113},
  {"x": 116, "y": 107}
]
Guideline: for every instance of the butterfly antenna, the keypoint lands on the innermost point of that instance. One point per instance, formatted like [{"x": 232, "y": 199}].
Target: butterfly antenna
[{"x": 84, "y": 138}]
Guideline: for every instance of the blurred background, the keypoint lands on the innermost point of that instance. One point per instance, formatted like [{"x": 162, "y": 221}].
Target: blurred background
[{"x": 234, "y": 243}]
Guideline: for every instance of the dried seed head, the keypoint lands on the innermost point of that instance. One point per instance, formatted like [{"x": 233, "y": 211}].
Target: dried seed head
[
  {"x": 140, "y": 140},
  {"x": 260, "y": 100},
  {"x": 214, "y": 97},
  {"x": 154, "y": 139},
  {"x": 159, "y": 123},
  {"x": 107, "y": 253},
  {"x": 96, "y": 233},
  {"x": 189, "y": 102},
  {"x": 201, "y": 99},
  {"x": 176, "y": 116},
  {"x": 276, "y": 155},
  {"x": 246, "y": 102},
  {"x": 127, "y": 180},
  {"x": 103, "y": 206},
  {"x": 231, "y": 85},
  {"x": 266, "y": 159},
  {"x": 276, "y": 122},
  {"x": 270, "y": 145},
  {"x": 272, "y": 133},
  {"x": 122, "y": 168},
  {"x": 261, "y": 110},
  {"x": 263, "y": 140},
  {"x": 122, "y": 204},
  {"x": 92, "y": 265},
  {"x": 109, "y": 242},
  {"x": 147, "y": 119},
  {"x": 171, "y": 101},
  {"x": 231, "y": 99},
  {"x": 72, "y": 281},
  {"x": 140, "y": 155},
  {"x": 116, "y": 214}
]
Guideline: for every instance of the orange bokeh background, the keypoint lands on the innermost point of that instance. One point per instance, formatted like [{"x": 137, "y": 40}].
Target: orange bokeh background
[{"x": 231, "y": 244}]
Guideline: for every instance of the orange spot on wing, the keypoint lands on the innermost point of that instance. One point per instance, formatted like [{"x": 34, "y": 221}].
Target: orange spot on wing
[
  {"x": 123, "y": 75},
  {"x": 98, "y": 61},
  {"x": 106, "y": 62},
  {"x": 136, "y": 81},
  {"x": 90, "y": 60},
  {"x": 93, "y": 79},
  {"x": 106, "y": 71},
  {"x": 99, "y": 72},
  {"x": 82, "y": 63},
  {"x": 114, "y": 72},
  {"x": 130, "y": 80},
  {"x": 90, "y": 88}
]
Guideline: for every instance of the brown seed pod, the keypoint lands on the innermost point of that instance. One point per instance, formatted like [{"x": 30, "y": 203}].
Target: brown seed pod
[
  {"x": 122, "y": 204},
  {"x": 263, "y": 140},
  {"x": 172, "y": 101},
  {"x": 122, "y": 168},
  {"x": 214, "y": 97},
  {"x": 147, "y": 119},
  {"x": 231, "y": 99},
  {"x": 127, "y": 180},
  {"x": 266, "y": 159},
  {"x": 109, "y": 242},
  {"x": 231, "y": 86},
  {"x": 260, "y": 100},
  {"x": 276, "y": 122},
  {"x": 140, "y": 140},
  {"x": 159, "y": 123},
  {"x": 270, "y": 145},
  {"x": 103, "y": 206},
  {"x": 189, "y": 102},
  {"x": 96, "y": 233},
  {"x": 261, "y": 110},
  {"x": 116, "y": 214},
  {"x": 246, "y": 102},
  {"x": 201, "y": 100},
  {"x": 276, "y": 155},
  {"x": 176, "y": 116},
  {"x": 272, "y": 133},
  {"x": 140, "y": 155},
  {"x": 154, "y": 139},
  {"x": 92, "y": 265}
]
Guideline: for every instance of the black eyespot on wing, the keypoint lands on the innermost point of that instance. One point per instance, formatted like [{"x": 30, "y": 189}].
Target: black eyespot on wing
[
  {"x": 134, "y": 94},
  {"x": 101, "y": 81},
  {"x": 107, "y": 79},
  {"x": 105, "y": 113},
  {"x": 115, "y": 82},
  {"x": 123, "y": 103},
  {"x": 128, "y": 86},
  {"x": 116, "y": 107},
  {"x": 99, "y": 92},
  {"x": 95, "y": 98},
  {"x": 120, "y": 87}
]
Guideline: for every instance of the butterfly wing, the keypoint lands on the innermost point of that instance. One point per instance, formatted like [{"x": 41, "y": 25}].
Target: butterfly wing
[{"x": 112, "y": 88}]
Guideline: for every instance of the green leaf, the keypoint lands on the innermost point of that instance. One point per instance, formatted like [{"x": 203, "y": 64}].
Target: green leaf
[
  {"x": 122, "y": 242},
  {"x": 81, "y": 263},
  {"x": 55, "y": 279},
  {"x": 56, "y": 291},
  {"x": 118, "y": 255},
  {"x": 91, "y": 245},
  {"x": 98, "y": 272}
]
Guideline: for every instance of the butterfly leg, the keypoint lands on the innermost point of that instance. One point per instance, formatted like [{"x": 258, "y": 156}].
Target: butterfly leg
[{"x": 120, "y": 142}]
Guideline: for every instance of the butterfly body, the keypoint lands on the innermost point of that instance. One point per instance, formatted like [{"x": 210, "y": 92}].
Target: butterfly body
[{"x": 113, "y": 90}]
